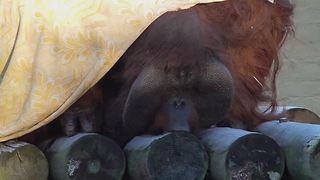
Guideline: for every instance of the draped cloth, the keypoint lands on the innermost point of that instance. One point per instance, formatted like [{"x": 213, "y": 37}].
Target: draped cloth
[{"x": 53, "y": 51}]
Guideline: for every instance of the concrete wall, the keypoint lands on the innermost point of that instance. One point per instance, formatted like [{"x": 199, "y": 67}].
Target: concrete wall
[{"x": 299, "y": 79}]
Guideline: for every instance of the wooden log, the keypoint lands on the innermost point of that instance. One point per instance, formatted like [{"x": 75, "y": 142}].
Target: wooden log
[
  {"x": 297, "y": 114},
  {"x": 20, "y": 160},
  {"x": 85, "y": 156},
  {"x": 301, "y": 144},
  {"x": 240, "y": 155},
  {"x": 175, "y": 155}
]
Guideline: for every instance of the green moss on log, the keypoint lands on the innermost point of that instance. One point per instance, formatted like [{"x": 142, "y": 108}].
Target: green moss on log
[{"x": 20, "y": 161}]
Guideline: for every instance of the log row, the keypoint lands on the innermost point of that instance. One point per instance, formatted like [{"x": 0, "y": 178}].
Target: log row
[
  {"x": 215, "y": 154},
  {"x": 218, "y": 153}
]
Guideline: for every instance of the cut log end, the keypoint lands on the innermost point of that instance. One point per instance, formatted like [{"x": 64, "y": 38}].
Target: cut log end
[
  {"x": 255, "y": 156},
  {"x": 19, "y": 160},
  {"x": 301, "y": 145},
  {"x": 85, "y": 156},
  {"x": 240, "y": 155},
  {"x": 302, "y": 115},
  {"x": 177, "y": 155}
]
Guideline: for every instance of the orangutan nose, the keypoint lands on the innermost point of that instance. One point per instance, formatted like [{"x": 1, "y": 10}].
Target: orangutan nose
[
  {"x": 179, "y": 114},
  {"x": 178, "y": 103}
]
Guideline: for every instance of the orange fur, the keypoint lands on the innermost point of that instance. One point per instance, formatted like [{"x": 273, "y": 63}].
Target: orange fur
[{"x": 254, "y": 31}]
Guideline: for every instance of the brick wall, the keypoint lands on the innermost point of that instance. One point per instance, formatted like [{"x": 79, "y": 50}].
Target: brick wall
[{"x": 299, "y": 79}]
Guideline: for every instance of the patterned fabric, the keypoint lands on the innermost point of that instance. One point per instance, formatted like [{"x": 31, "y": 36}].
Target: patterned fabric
[{"x": 53, "y": 51}]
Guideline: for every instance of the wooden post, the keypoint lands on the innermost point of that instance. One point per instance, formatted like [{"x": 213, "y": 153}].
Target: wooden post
[
  {"x": 85, "y": 156},
  {"x": 238, "y": 154},
  {"x": 301, "y": 144},
  {"x": 296, "y": 114},
  {"x": 299, "y": 114},
  {"x": 176, "y": 155},
  {"x": 20, "y": 160}
]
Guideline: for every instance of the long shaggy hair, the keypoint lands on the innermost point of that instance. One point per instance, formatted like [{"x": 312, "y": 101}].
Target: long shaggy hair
[{"x": 254, "y": 31}]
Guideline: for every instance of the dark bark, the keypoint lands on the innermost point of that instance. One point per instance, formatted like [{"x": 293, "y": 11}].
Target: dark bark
[
  {"x": 301, "y": 144},
  {"x": 176, "y": 155},
  {"x": 85, "y": 156},
  {"x": 241, "y": 155}
]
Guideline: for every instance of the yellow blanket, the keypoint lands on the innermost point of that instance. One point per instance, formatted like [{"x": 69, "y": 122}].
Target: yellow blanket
[{"x": 53, "y": 51}]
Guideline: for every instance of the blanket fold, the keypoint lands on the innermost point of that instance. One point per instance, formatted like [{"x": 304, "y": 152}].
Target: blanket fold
[{"x": 53, "y": 51}]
